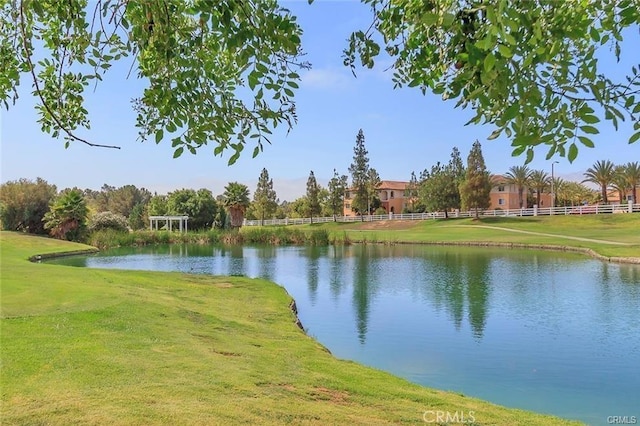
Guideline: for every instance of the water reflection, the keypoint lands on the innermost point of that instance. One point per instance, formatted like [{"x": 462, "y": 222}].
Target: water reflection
[
  {"x": 362, "y": 291},
  {"x": 336, "y": 254},
  {"x": 313, "y": 255}
]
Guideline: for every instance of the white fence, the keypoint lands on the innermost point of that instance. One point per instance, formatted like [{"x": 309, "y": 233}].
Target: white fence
[{"x": 568, "y": 210}]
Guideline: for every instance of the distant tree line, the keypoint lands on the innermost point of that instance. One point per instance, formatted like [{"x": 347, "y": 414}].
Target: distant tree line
[{"x": 38, "y": 207}]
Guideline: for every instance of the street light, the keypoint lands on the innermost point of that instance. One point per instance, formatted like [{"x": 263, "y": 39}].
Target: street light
[{"x": 553, "y": 194}]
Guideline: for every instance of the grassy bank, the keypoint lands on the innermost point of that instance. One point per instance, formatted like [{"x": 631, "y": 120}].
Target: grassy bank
[
  {"x": 115, "y": 347},
  {"x": 610, "y": 235}
]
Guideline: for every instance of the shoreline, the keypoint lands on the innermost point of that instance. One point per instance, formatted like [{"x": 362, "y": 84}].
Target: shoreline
[{"x": 547, "y": 247}]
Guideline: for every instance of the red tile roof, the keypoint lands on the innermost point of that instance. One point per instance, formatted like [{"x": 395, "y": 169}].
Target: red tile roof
[{"x": 394, "y": 185}]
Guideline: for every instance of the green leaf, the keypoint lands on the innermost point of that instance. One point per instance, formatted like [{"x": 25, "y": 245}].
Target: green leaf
[
  {"x": 634, "y": 137},
  {"x": 518, "y": 151},
  {"x": 159, "y": 135},
  {"x": 489, "y": 62},
  {"x": 234, "y": 158},
  {"x": 494, "y": 134},
  {"x": 591, "y": 119},
  {"x": 589, "y": 129},
  {"x": 586, "y": 141},
  {"x": 509, "y": 39},
  {"x": 529, "y": 156},
  {"x": 253, "y": 80},
  {"x": 505, "y": 51},
  {"x": 511, "y": 112},
  {"x": 573, "y": 152},
  {"x": 178, "y": 152}
]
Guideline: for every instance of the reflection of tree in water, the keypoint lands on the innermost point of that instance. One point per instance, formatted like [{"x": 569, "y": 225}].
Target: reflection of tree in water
[
  {"x": 336, "y": 254},
  {"x": 312, "y": 254},
  {"x": 266, "y": 261},
  {"x": 630, "y": 274},
  {"x": 630, "y": 278},
  {"x": 478, "y": 292},
  {"x": 363, "y": 286},
  {"x": 235, "y": 256},
  {"x": 455, "y": 274}
]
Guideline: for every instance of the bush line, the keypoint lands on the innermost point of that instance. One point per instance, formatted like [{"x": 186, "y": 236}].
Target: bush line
[{"x": 108, "y": 238}]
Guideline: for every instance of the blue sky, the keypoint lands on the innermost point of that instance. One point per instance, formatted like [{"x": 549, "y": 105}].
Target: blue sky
[{"x": 404, "y": 130}]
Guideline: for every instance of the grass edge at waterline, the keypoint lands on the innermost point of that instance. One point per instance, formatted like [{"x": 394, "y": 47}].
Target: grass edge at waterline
[
  {"x": 613, "y": 237},
  {"x": 279, "y": 235},
  {"x": 131, "y": 347}
]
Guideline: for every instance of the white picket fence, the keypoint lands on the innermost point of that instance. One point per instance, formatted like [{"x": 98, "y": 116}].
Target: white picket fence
[{"x": 546, "y": 211}]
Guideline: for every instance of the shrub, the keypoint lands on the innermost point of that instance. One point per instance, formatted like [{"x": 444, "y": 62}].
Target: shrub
[
  {"x": 319, "y": 237},
  {"x": 23, "y": 204},
  {"x": 108, "y": 220}
]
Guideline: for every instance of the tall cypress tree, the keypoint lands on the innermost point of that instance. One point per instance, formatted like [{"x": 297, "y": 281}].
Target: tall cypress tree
[
  {"x": 476, "y": 187},
  {"x": 457, "y": 171},
  {"x": 264, "y": 198},
  {"x": 337, "y": 187},
  {"x": 373, "y": 181},
  {"x": 411, "y": 192},
  {"x": 359, "y": 170},
  {"x": 312, "y": 195}
]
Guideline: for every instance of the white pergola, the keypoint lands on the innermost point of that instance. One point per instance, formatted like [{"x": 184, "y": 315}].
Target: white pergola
[{"x": 154, "y": 220}]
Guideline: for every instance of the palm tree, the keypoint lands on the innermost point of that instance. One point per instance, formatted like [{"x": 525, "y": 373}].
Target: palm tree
[
  {"x": 539, "y": 181},
  {"x": 519, "y": 176},
  {"x": 632, "y": 174},
  {"x": 619, "y": 182},
  {"x": 67, "y": 216},
  {"x": 560, "y": 190},
  {"x": 236, "y": 199},
  {"x": 601, "y": 174}
]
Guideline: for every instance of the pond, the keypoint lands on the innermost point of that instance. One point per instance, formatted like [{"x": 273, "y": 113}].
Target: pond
[{"x": 551, "y": 332}]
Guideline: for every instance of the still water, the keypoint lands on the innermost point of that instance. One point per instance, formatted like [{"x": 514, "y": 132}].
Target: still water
[{"x": 550, "y": 332}]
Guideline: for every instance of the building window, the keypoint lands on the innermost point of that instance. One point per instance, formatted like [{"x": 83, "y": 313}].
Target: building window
[
  {"x": 501, "y": 201},
  {"x": 391, "y": 194},
  {"x": 347, "y": 206},
  {"x": 348, "y": 195},
  {"x": 500, "y": 188}
]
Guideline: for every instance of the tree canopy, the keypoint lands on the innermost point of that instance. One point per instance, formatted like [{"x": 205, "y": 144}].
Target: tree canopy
[
  {"x": 225, "y": 73},
  {"x": 198, "y": 59},
  {"x": 264, "y": 197},
  {"x": 531, "y": 69}
]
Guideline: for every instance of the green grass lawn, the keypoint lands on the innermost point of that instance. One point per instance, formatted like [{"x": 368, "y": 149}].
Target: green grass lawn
[
  {"x": 618, "y": 235},
  {"x": 89, "y": 346}
]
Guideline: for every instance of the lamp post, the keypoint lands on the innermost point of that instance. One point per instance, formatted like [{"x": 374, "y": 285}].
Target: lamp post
[{"x": 553, "y": 193}]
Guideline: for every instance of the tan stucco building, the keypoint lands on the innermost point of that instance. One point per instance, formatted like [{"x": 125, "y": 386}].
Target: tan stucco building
[
  {"x": 504, "y": 196},
  {"x": 390, "y": 192}
]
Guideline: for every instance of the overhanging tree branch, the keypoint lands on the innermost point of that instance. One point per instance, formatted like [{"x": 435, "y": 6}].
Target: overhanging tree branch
[{"x": 55, "y": 118}]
